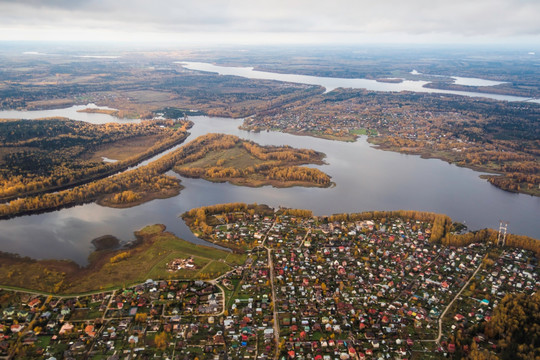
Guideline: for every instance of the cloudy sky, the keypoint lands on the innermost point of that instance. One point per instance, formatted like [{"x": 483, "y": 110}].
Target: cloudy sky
[{"x": 273, "y": 21}]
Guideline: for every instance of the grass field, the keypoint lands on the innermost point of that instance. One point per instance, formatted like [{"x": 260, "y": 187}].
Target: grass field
[
  {"x": 124, "y": 149},
  {"x": 215, "y": 268},
  {"x": 236, "y": 157},
  {"x": 146, "y": 260},
  {"x": 236, "y": 259},
  {"x": 364, "y": 132}
]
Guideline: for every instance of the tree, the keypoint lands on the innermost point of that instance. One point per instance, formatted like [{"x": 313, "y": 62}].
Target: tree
[{"x": 160, "y": 340}]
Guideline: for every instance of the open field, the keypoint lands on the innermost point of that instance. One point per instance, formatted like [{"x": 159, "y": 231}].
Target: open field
[
  {"x": 124, "y": 149},
  {"x": 146, "y": 259}
]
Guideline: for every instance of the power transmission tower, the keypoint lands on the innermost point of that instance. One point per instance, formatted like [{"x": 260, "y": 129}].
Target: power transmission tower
[{"x": 501, "y": 239}]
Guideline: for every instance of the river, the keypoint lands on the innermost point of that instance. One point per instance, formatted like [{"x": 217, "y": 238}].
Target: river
[
  {"x": 330, "y": 83},
  {"x": 73, "y": 113},
  {"x": 366, "y": 179}
]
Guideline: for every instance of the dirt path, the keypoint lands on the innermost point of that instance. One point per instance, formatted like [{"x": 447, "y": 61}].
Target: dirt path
[{"x": 438, "y": 339}]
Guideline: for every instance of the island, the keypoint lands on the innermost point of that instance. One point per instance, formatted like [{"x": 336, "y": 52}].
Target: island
[
  {"x": 111, "y": 112},
  {"x": 219, "y": 157}
]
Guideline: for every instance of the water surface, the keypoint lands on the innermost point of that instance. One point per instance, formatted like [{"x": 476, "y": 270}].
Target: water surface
[
  {"x": 366, "y": 179},
  {"x": 330, "y": 83},
  {"x": 71, "y": 113}
]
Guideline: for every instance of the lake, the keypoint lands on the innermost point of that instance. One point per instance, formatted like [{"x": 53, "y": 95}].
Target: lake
[
  {"x": 366, "y": 179},
  {"x": 330, "y": 83}
]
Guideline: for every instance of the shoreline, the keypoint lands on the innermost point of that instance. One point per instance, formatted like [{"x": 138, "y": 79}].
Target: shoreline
[
  {"x": 146, "y": 197},
  {"x": 107, "y": 269},
  {"x": 486, "y": 173}
]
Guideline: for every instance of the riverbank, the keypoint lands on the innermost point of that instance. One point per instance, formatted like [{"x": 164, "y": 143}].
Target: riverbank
[
  {"x": 498, "y": 179},
  {"x": 153, "y": 248},
  {"x": 492, "y": 176},
  {"x": 146, "y": 258}
]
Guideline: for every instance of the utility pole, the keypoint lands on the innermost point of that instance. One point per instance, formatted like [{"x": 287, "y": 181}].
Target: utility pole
[{"x": 501, "y": 239}]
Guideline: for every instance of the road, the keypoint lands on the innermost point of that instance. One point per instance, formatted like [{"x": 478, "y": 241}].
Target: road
[
  {"x": 274, "y": 307},
  {"x": 272, "y": 282},
  {"x": 438, "y": 339}
]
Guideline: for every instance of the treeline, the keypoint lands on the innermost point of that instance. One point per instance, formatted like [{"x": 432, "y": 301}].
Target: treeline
[
  {"x": 515, "y": 327},
  {"x": 296, "y": 173},
  {"x": 216, "y": 209},
  {"x": 138, "y": 180},
  {"x": 198, "y": 217},
  {"x": 441, "y": 224},
  {"x": 267, "y": 170},
  {"x": 281, "y": 153},
  {"x": 491, "y": 236},
  {"x": 516, "y": 182},
  {"x": 125, "y": 197},
  {"x": 302, "y": 213},
  {"x": 31, "y": 172}
]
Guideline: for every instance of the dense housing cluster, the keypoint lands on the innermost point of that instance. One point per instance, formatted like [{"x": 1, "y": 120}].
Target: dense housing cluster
[{"x": 310, "y": 288}]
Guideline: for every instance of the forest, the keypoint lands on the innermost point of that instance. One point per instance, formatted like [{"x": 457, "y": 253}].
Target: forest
[
  {"x": 514, "y": 328},
  {"x": 38, "y": 156}
]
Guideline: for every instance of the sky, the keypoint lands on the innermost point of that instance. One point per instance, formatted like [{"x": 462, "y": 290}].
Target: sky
[{"x": 272, "y": 21}]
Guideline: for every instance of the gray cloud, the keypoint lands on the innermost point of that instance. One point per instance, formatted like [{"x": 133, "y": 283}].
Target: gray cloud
[{"x": 460, "y": 18}]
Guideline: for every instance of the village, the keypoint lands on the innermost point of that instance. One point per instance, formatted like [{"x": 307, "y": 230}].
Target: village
[{"x": 309, "y": 289}]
